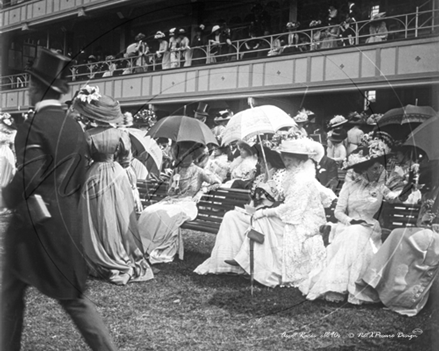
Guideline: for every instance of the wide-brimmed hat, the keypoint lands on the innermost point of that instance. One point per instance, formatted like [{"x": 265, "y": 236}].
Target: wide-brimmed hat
[
  {"x": 377, "y": 16},
  {"x": 246, "y": 146},
  {"x": 270, "y": 187},
  {"x": 140, "y": 36},
  {"x": 338, "y": 135},
  {"x": 182, "y": 31},
  {"x": 51, "y": 69},
  {"x": 7, "y": 121},
  {"x": 91, "y": 104},
  {"x": 171, "y": 33},
  {"x": 272, "y": 156},
  {"x": 337, "y": 121},
  {"x": 376, "y": 149},
  {"x": 200, "y": 28},
  {"x": 301, "y": 117},
  {"x": 292, "y": 24},
  {"x": 159, "y": 35},
  {"x": 354, "y": 118},
  {"x": 297, "y": 147},
  {"x": 216, "y": 27},
  {"x": 224, "y": 115}
]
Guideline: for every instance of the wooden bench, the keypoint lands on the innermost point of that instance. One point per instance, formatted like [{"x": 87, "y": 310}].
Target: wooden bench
[{"x": 211, "y": 207}]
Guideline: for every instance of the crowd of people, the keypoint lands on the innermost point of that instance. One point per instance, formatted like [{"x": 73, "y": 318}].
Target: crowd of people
[
  {"x": 221, "y": 43},
  {"x": 84, "y": 160}
]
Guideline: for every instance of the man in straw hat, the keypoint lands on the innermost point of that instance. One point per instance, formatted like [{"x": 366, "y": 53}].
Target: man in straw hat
[{"x": 43, "y": 242}]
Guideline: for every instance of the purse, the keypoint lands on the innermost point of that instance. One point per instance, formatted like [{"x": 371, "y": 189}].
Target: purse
[
  {"x": 255, "y": 235},
  {"x": 38, "y": 209}
]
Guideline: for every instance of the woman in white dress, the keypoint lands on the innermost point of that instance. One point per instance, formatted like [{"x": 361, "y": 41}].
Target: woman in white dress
[
  {"x": 357, "y": 236},
  {"x": 7, "y": 158},
  {"x": 159, "y": 224},
  {"x": 235, "y": 223},
  {"x": 292, "y": 245},
  {"x": 243, "y": 168}
]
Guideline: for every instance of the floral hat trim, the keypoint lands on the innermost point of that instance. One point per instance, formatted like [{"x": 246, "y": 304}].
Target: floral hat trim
[
  {"x": 337, "y": 121},
  {"x": 88, "y": 94}
]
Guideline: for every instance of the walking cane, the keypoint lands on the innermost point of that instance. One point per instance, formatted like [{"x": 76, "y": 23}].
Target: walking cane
[{"x": 254, "y": 236}]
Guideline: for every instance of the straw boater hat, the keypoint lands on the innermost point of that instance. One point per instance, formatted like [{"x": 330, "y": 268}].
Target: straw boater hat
[
  {"x": 51, "y": 69},
  {"x": 378, "y": 147},
  {"x": 297, "y": 147},
  {"x": 378, "y": 16},
  {"x": 338, "y": 135},
  {"x": 102, "y": 108},
  {"x": 337, "y": 121}
]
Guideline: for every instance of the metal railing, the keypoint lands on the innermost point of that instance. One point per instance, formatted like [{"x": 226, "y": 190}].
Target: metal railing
[{"x": 407, "y": 26}]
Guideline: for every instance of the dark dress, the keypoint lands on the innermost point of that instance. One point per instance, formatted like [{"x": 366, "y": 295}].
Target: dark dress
[
  {"x": 48, "y": 255},
  {"x": 199, "y": 55}
]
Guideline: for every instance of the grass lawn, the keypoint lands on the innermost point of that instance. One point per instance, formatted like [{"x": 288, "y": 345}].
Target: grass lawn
[{"x": 180, "y": 310}]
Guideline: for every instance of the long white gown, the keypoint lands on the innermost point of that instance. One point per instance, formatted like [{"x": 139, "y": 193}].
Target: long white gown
[
  {"x": 292, "y": 245},
  {"x": 353, "y": 247}
]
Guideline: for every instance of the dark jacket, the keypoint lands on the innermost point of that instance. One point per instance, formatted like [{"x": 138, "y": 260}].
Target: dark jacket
[
  {"x": 327, "y": 172},
  {"x": 51, "y": 162}
]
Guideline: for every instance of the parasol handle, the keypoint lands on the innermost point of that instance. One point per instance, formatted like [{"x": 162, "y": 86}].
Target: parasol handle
[{"x": 268, "y": 177}]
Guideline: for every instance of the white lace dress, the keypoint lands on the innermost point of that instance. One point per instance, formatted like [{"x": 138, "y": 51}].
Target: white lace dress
[
  {"x": 293, "y": 247},
  {"x": 353, "y": 247}
]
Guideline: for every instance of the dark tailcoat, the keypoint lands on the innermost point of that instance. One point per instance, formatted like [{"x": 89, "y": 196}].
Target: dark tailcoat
[{"x": 51, "y": 162}]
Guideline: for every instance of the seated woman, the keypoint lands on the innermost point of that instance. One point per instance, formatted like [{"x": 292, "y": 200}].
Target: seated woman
[
  {"x": 404, "y": 269},
  {"x": 357, "y": 236},
  {"x": 112, "y": 244},
  {"x": 243, "y": 168},
  {"x": 235, "y": 223},
  {"x": 159, "y": 224},
  {"x": 217, "y": 162},
  {"x": 292, "y": 246}
]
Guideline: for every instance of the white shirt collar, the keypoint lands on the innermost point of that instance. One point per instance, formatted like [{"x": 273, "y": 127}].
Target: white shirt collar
[{"x": 45, "y": 103}]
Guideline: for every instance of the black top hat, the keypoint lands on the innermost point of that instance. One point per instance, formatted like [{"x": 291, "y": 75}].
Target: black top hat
[
  {"x": 201, "y": 110},
  {"x": 51, "y": 69}
]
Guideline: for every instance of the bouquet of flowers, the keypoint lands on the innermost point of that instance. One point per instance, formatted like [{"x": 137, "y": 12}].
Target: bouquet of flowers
[{"x": 145, "y": 118}]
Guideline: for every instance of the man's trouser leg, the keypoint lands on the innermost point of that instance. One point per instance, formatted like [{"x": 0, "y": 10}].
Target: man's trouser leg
[
  {"x": 89, "y": 322},
  {"x": 11, "y": 310}
]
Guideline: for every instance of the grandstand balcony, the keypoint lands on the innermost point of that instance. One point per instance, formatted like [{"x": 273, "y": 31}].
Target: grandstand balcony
[{"x": 390, "y": 64}]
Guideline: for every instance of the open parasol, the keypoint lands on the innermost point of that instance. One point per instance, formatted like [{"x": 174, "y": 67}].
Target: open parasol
[
  {"x": 425, "y": 137},
  {"x": 183, "y": 128},
  {"x": 256, "y": 121},
  {"x": 146, "y": 150},
  {"x": 401, "y": 121}
]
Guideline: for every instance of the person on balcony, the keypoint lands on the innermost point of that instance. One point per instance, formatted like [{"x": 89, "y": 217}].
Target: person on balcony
[
  {"x": 93, "y": 67},
  {"x": 173, "y": 46},
  {"x": 141, "y": 50},
  {"x": 113, "y": 247},
  {"x": 226, "y": 49},
  {"x": 330, "y": 37},
  {"x": 185, "y": 49},
  {"x": 162, "y": 54},
  {"x": 198, "y": 45},
  {"x": 159, "y": 224},
  {"x": 214, "y": 44},
  {"x": 378, "y": 29},
  {"x": 111, "y": 66},
  {"x": 251, "y": 46},
  {"x": 292, "y": 38}
]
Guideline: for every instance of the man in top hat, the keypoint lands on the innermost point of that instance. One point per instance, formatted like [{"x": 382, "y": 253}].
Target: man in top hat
[
  {"x": 43, "y": 244},
  {"x": 354, "y": 134},
  {"x": 201, "y": 112}
]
